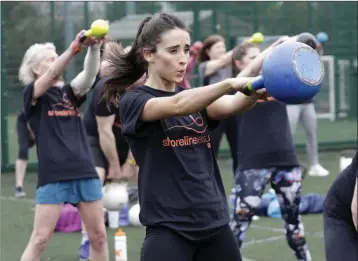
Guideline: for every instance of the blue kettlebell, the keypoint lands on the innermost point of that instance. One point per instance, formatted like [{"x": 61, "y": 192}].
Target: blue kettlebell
[
  {"x": 322, "y": 37},
  {"x": 293, "y": 73}
]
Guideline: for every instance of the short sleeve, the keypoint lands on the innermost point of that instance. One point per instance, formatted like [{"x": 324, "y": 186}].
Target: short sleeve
[
  {"x": 100, "y": 105},
  {"x": 77, "y": 100},
  {"x": 29, "y": 109},
  {"x": 102, "y": 110},
  {"x": 131, "y": 106},
  {"x": 212, "y": 124}
]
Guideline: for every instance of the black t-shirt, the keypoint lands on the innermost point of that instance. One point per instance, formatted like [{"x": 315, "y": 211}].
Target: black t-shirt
[
  {"x": 21, "y": 116},
  {"x": 180, "y": 186},
  {"x": 98, "y": 107},
  {"x": 62, "y": 148},
  {"x": 340, "y": 195},
  {"x": 265, "y": 138}
]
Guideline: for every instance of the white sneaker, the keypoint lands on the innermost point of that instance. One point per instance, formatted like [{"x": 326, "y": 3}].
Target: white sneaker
[
  {"x": 255, "y": 218},
  {"x": 318, "y": 171}
]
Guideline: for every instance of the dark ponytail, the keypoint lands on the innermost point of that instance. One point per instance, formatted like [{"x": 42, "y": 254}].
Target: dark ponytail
[
  {"x": 126, "y": 68},
  {"x": 130, "y": 67}
]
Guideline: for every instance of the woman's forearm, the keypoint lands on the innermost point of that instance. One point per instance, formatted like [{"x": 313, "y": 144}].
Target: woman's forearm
[
  {"x": 197, "y": 99},
  {"x": 85, "y": 79}
]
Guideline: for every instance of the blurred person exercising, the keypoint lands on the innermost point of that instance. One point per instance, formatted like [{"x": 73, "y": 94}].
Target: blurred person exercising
[
  {"x": 215, "y": 66},
  {"x": 340, "y": 216},
  {"x": 194, "y": 55},
  {"x": 110, "y": 150},
  {"x": 305, "y": 113},
  {"x": 266, "y": 154},
  {"x": 181, "y": 194},
  {"x": 322, "y": 39},
  {"x": 26, "y": 140},
  {"x": 66, "y": 173}
]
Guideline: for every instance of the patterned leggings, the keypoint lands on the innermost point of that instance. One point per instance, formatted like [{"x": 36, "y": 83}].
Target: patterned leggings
[{"x": 250, "y": 185}]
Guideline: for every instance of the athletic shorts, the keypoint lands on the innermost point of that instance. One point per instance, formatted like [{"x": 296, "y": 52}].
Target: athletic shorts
[{"x": 73, "y": 192}]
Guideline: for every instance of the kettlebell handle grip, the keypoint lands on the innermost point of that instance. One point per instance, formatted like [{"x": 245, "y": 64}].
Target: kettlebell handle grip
[{"x": 257, "y": 84}]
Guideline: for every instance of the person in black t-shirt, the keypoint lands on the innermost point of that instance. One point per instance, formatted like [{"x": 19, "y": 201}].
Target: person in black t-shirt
[
  {"x": 110, "y": 150},
  {"x": 266, "y": 154},
  {"x": 26, "y": 140},
  {"x": 340, "y": 216},
  {"x": 66, "y": 173},
  {"x": 181, "y": 194}
]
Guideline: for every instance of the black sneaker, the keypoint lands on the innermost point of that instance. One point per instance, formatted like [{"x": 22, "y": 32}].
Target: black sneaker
[{"x": 19, "y": 192}]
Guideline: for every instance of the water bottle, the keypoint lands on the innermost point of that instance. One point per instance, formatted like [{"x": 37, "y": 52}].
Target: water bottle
[
  {"x": 113, "y": 219},
  {"x": 120, "y": 245}
]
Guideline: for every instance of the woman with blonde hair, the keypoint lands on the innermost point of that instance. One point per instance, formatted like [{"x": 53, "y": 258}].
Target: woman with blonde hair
[{"x": 66, "y": 173}]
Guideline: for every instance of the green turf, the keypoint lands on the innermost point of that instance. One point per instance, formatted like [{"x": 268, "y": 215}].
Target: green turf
[
  {"x": 327, "y": 131},
  {"x": 17, "y": 216}
]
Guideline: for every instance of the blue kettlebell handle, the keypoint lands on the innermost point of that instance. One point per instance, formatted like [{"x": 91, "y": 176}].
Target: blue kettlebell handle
[{"x": 257, "y": 84}]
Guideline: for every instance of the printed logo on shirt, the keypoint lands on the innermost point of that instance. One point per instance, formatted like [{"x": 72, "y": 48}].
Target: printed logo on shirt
[
  {"x": 64, "y": 108},
  {"x": 192, "y": 124}
]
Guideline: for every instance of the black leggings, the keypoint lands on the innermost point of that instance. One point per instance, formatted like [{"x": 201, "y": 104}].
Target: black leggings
[
  {"x": 24, "y": 138},
  {"x": 340, "y": 239},
  {"x": 229, "y": 126},
  {"x": 163, "y": 244}
]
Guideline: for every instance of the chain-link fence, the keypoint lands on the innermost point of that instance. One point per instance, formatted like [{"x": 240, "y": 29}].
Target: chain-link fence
[{"x": 24, "y": 23}]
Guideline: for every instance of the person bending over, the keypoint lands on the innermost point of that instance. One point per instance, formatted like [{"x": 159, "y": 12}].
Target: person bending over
[
  {"x": 110, "y": 150},
  {"x": 66, "y": 173}
]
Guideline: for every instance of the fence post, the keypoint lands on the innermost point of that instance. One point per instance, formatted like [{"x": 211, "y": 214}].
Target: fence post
[
  {"x": 214, "y": 21},
  {"x": 86, "y": 15},
  {"x": 130, "y": 8},
  {"x": 227, "y": 31},
  {"x": 4, "y": 107},
  {"x": 69, "y": 35},
  {"x": 309, "y": 13},
  {"x": 255, "y": 15},
  {"x": 353, "y": 75},
  {"x": 52, "y": 14},
  {"x": 333, "y": 43}
]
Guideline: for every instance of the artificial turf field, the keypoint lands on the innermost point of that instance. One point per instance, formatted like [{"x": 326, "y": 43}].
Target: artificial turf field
[{"x": 265, "y": 239}]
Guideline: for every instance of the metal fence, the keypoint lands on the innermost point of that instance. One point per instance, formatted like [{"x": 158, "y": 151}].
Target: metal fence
[{"x": 24, "y": 23}]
